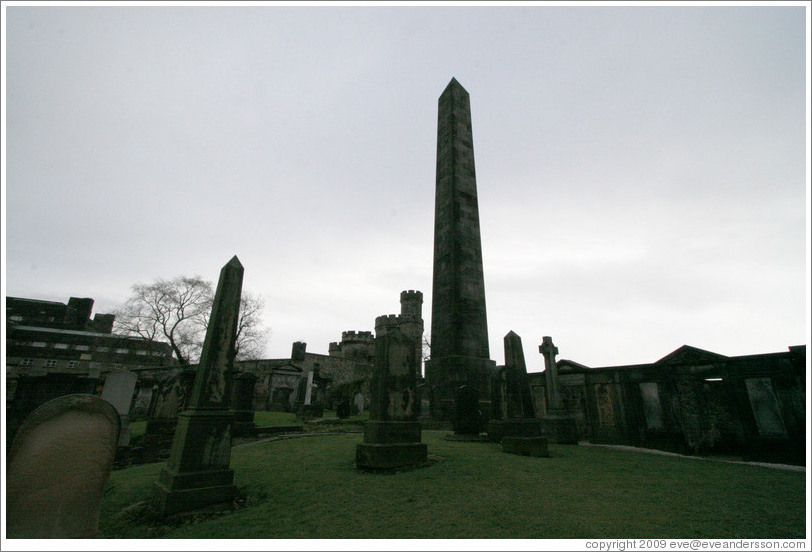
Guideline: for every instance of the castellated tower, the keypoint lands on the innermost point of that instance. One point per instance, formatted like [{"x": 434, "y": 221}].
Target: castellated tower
[{"x": 409, "y": 321}]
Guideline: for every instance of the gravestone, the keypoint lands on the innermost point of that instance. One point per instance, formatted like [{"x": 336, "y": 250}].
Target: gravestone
[
  {"x": 392, "y": 435},
  {"x": 517, "y": 428},
  {"x": 57, "y": 468},
  {"x": 467, "y": 415},
  {"x": 197, "y": 473},
  {"x": 243, "y": 404},
  {"x": 309, "y": 408},
  {"x": 558, "y": 423},
  {"x": 358, "y": 402},
  {"x": 170, "y": 397},
  {"x": 143, "y": 398},
  {"x": 118, "y": 390}
]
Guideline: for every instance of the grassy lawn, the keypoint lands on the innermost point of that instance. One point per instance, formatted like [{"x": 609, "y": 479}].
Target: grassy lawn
[{"x": 309, "y": 488}]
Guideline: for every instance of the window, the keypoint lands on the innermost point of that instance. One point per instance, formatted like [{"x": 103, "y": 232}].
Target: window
[
  {"x": 142, "y": 353},
  {"x": 122, "y": 351},
  {"x": 50, "y": 363},
  {"x": 82, "y": 348},
  {"x": 60, "y": 346},
  {"x": 38, "y": 344},
  {"x": 16, "y": 318},
  {"x": 102, "y": 349},
  {"x": 73, "y": 363},
  {"x": 27, "y": 362}
]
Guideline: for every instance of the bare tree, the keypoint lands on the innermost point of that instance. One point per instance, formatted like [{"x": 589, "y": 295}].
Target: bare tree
[{"x": 177, "y": 312}]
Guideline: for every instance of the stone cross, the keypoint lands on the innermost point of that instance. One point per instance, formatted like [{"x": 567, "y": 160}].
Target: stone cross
[
  {"x": 551, "y": 372},
  {"x": 197, "y": 473}
]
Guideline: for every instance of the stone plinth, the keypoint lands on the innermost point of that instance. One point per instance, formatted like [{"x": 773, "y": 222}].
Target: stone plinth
[
  {"x": 392, "y": 435},
  {"x": 526, "y": 446},
  {"x": 390, "y": 455},
  {"x": 446, "y": 375},
  {"x": 559, "y": 427},
  {"x": 197, "y": 475},
  {"x": 517, "y": 427}
]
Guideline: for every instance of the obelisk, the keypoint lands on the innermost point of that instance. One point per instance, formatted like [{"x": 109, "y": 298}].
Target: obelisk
[
  {"x": 198, "y": 472},
  {"x": 459, "y": 327}
]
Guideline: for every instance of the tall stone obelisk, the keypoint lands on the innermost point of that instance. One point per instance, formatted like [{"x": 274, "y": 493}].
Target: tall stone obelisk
[
  {"x": 198, "y": 472},
  {"x": 459, "y": 327}
]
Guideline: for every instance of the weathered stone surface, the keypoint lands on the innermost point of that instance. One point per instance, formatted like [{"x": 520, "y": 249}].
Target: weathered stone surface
[
  {"x": 58, "y": 465},
  {"x": 392, "y": 435},
  {"x": 517, "y": 427},
  {"x": 516, "y": 416},
  {"x": 459, "y": 329},
  {"x": 551, "y": 373},
  {"x": 467, "y": 415},
  {"x": 243, "y": 404},
  {"x": 559, "y": 425},
  {"x": 197, "y": 473},
  {"x": 118, "y": 391}
]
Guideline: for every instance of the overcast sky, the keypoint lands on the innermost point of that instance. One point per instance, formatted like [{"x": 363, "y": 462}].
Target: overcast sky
[{"x": 641, "y": 170}]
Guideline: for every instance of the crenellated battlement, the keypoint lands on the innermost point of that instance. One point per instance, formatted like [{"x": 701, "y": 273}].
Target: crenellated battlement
[
  {"x": 365, "y": 337},
  {"x": 387, "y": 320},
  {"x": 411, "y": 295}
]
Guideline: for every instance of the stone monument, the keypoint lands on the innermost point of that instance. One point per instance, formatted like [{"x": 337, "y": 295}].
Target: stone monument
[
  {"x": 459, "y": 327},
  {"x": 558, "y": 423},
  {"x": 242, "y": 397},
  {"x": 118, "y": 390},
  {"x": 58, "y": 465},
  {"x": 197, "y": 473},
  {"x": 516, "y": 425},
  {"x": 392, "y": 436}
]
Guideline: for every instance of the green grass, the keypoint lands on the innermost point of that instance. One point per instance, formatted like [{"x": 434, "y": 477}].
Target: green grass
[{"x": 309, "y": 488}]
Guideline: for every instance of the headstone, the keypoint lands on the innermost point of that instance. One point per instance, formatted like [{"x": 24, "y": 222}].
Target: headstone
[
  {"x": 170, "y": 397},
  {"x": 58, "y": 465},
  {"x": 558, "y": 423},
  {"x": 467, "y": 416},
  {"x": 143, "y": 399},
  {"x": 517, "y": 429},
  {"x": 243, "y": 404},
  {"x": 392, "y": 436},
  {"x": 118, "y": 390},
  {"x": 310, "y": 408},
  {"x": 358, "y": 401},
  {"x": 343, "y": 408},
  {"x": 197, "y": 473},
  {"x": 459, "y": 328}
]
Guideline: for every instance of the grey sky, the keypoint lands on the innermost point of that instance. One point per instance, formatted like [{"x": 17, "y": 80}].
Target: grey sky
[{"x": 641, "y": 171}]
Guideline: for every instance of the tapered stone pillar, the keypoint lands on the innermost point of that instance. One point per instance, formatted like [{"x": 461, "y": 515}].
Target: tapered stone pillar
[
  {"x": 515, "y": 425},
  {"x": 459, "y": 327},
  {"x": 392, "y": 436},
  {"x": 197, "y": 473}
]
